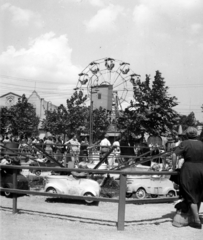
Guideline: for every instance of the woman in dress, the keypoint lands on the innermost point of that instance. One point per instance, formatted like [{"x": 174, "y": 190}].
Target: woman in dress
[{"x": 191, "y": 173}]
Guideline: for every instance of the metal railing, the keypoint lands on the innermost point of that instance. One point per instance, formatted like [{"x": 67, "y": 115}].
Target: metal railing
[{"x": 122, "y": 201}]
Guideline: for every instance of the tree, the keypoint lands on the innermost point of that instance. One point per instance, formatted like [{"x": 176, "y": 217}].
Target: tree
[
  {"x": 152, "y": 110},
  {"x": 56, "y": 122},
  {"x": 70, "y": 119},
  {"x": 101, "y": 121},
  {"x": 76, "y": 118},
  {"x": 187, "y": 121},
  {"x": 4, "y": 117},
  {"x": 22, "y": 118},
  {"x": 77, "y": 112}
]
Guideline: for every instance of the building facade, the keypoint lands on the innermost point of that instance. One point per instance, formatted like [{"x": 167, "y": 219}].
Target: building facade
[
  {"x": 9, "y": 99},
  {"x": 40, "y": 105},
  {"x": 102, "y": 97}
]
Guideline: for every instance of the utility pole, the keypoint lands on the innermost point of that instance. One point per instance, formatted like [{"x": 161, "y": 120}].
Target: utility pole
[
  {"x": 91, "y": 120},
  {"x": 91, "y": 125},
  {"x": 91, "y": 115}
]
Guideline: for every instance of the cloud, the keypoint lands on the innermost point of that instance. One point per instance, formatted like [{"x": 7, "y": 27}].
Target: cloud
[
  {"x": 48, "y": 58},
  {"x": 177, "y": 21},
  {"x": 144, "y": 18},
  {"x": 98, "y": 3},
  {"x": 22, "y": 17},
  {"x": 163, "y": 13},
  {"x": 105, "y": 19},
  {"x": 196, "y": 28}
]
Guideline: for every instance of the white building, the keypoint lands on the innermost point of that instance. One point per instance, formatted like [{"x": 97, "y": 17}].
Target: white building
[
  {"x": 40, "y": 105},
  {"x": 102, "y": 96},
  {"x": 9, "y": 99}
]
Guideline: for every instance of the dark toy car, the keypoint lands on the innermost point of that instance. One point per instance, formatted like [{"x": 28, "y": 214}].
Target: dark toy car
[{"x": 6, "y": 181}]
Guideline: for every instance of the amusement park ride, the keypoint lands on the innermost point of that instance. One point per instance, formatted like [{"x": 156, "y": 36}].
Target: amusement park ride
[{"x": 108, "y": 84}]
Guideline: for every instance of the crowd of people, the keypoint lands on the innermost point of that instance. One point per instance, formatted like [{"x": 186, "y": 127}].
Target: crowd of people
[
  {"x": 77, "y": 150},
  {"x": 71, "y": 149}
]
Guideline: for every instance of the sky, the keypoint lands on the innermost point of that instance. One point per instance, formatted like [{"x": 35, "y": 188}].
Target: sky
[{"x": 45, "y": 44}]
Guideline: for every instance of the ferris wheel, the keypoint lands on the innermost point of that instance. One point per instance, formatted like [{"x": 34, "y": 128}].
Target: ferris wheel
[{"x": 108, "y": 72}]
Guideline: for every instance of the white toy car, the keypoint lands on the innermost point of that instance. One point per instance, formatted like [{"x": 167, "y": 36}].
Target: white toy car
[
  {"x": 142, "y": 186},
  {"x": 69, "y": 185}
]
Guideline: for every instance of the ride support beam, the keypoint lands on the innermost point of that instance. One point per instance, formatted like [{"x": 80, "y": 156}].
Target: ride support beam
[
  {"x": 46, "y": 154},
  {"x": 104, "y": 158}
]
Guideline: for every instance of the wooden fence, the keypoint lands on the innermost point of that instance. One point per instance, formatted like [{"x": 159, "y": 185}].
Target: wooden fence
[{"x": 121, "y": 200}]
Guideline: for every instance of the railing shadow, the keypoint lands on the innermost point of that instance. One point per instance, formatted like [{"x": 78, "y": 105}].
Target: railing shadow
[
  {"x": 95, "y": 221},
  {"x": 70, "y": 201},
  {"x": 64, "y": 217}
]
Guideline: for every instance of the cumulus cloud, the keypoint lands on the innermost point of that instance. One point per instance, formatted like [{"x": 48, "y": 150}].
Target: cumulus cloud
[
  {"x": 98, "y": 3},
  {"x": 166, "y": 20},
  {"x": 48, "y": 58},
  {"x": 22, "y": 17},
  {"x": 105, "y": 19}
]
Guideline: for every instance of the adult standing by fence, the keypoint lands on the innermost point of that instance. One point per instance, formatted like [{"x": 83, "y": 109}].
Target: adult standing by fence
[
  {"x": 59, "y": 147},
  {"x": 116, "y": 151},
  {"x": 74, "y": 149},
  {"x": 104, "y": 147},
  {"x": 191, "y": 173},
  {"x": 83, "y": 150},
  {"x": 48, "y": 146}
]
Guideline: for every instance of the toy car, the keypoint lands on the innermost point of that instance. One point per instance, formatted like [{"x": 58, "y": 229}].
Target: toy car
[
  {"x": 142, "y": 186},
  {"x": 6, "y": 181},
  {"x": 63, "y": 184}
]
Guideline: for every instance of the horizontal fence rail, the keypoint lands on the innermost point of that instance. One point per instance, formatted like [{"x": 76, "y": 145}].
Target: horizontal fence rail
[
  {"x": 122, "y": 201},
  {"x": 89, "y": 170}
]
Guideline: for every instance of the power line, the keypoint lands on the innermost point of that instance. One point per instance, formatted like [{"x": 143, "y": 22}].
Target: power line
[
  {"x": 185, "y": 85},
  {"x": 31, "y": 80},
  {"x": 32, "y": 87}
]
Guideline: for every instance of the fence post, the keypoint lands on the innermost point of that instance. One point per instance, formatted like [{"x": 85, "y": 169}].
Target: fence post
[
  {"x": 121, "y": 204},
  {"x": 14, "y": 194}
]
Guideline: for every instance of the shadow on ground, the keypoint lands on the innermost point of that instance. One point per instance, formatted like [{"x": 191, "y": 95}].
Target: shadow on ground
[{"x": 104, "y": 222}]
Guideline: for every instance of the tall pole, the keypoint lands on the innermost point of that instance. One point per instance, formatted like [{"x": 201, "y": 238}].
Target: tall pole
[
  {"x": 91, "y": 116},
  {"x": 92, "y": 91},
  {"x": 91, "y": 126},
  {"x": 92, "y": 122},
  {"x": 91, "y": 119}
]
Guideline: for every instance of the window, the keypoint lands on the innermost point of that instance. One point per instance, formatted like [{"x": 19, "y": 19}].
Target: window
[{"x": 99, "y": 95}]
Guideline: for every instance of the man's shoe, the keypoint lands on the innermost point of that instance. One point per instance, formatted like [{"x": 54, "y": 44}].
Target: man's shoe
[{"x": 195, "y": 225}]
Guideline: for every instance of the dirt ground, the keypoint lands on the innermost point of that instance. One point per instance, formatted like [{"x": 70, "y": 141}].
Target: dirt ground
[{"x": 50, "y": 219}]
